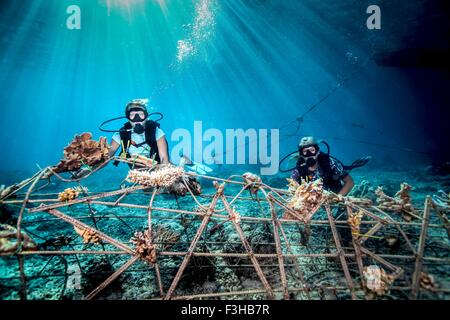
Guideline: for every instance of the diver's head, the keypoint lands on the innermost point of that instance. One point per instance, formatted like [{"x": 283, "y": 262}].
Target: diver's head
[
  {"x": 136, "y": 113},
  {"x": 308, "y": 150}
]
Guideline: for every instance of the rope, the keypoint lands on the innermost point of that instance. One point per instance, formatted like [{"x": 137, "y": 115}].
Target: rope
[{"x": 302, "y": 116}]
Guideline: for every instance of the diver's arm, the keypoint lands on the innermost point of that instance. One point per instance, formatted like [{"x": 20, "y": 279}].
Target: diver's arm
[
  {"x": 113, "y": 148},
  {"x": 348, "y": 185},
  {"x": 162, "y": 150},
  {"x": 295, "y": 175}
]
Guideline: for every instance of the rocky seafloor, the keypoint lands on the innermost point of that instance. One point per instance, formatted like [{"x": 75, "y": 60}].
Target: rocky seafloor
[{"x": 75, "y": 276}]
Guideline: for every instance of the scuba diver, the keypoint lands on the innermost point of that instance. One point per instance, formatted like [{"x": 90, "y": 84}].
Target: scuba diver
[
  {"x": 140, "y": 136},
  {"x": 314, "y": 164}
]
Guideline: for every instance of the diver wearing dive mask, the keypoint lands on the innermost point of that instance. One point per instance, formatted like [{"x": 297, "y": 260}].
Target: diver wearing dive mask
[
  {"x": 140, "y": 135},
  {"x": 308, "y": 151},
  {"x": 309, "y": 155},
  {"x": 137, "y": 120},
  {"x": 137, "y": 114},
  {"x": 313, "y": 164}
]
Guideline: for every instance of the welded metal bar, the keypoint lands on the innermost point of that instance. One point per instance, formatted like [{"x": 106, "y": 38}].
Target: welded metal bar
[
  {"x": 250, "y": 252},
  {"x": 69, "y": 252},
  {"x": 111, "y": 278},
  {"x": 22, "y": 209},
  {"x": 408, "y": 242},
  {"x": 85, "y": 199},
  {"x": 357, "y": 246},
  {"x": 276, "y": 235},
  {"x": 23, "y": 279},
  {"x": 149, "y": 214},
  {"x": 100, "y": 234},
  {"x": 379, "y": 259},
  {"x": 193, "y": 244},
  {"x": 420, "y": 251},
  {"x": 341, "y": 252},
  {"x": 443, "y": 216},
  {"x": 295, "y": 261},
  {"x": 364, "y": 237}
]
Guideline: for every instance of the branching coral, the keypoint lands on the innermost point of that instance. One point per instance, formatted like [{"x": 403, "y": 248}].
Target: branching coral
[
  {"x": 253, "y": 181},
  {"x": 180, "y": 187},
  {"x": 81, "y": 189},
  {"x": 354, "y": 220},
  {"x": 68, "y": 194},
  {"x": 145, "y": 248},
  {"x": 377, "y": 281},
  {"x": 361, "y": 189},
  {"x": 235, "y": 216},
  {"x": 8, "y": 240},
  {"x": 163, "y": 176},
  {"x": 335, "y": 198},
  {"x": 427, "y": 281},
  {"x": 6, "y": 191},
  {"x": 88, "y": 236},
  {"x": 401, "y": 202},
  {"x": 305, "y": 199},
  {"x": 442, "y": 199},
  {"x": 83, "y": 151}
]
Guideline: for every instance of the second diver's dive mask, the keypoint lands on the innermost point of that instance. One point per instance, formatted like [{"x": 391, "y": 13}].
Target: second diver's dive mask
[{"x": 308, "y": 155}]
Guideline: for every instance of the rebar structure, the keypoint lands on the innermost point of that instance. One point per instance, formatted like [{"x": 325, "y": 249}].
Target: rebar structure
[{"x": 285, "y": 262}]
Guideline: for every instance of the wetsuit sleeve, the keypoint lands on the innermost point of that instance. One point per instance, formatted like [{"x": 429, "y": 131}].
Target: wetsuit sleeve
[
  {"x": 295, "y": 175},
  {"x": 337, "y": 169}
]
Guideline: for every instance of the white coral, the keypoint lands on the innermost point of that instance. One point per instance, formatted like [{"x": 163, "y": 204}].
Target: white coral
[{"x": 164, "y": 176}]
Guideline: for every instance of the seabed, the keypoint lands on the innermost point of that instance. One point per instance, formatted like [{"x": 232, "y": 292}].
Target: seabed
[{"x": 239, "y": 238}]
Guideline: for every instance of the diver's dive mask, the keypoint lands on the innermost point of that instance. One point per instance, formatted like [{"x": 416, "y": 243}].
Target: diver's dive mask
[
  {"x": 137, "y": 118},
  {"x": 308, "y": 155}
]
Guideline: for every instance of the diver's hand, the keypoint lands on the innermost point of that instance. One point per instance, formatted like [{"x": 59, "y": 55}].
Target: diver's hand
[{"x": 82, "y": 172}]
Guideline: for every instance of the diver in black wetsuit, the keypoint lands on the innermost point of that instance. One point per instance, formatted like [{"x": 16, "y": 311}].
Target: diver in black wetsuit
[{"x": 313, "y": 164}]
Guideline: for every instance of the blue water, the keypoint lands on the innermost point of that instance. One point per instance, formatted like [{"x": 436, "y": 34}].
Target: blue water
[
  {"x": 240, "y": 64},
  {"x": 305, "y": 67}
]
